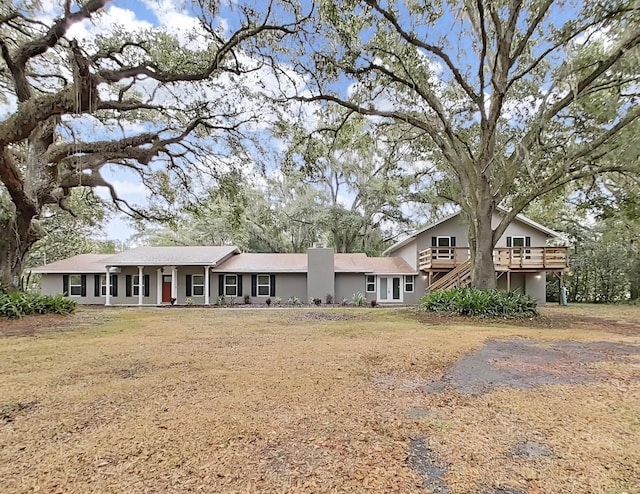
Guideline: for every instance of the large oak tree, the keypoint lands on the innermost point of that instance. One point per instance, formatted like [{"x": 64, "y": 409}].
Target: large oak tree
[
  {"x": 511, "y": 99},
  {"x": 147, "y": 102}
]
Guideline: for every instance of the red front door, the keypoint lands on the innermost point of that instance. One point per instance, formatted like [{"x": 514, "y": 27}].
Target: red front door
[{"x": 166, "y": 289}]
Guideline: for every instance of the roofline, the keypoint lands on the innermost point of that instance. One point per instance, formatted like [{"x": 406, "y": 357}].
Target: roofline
[
  {"x": 43, "y": 270},
  {"x": 257, "y": 271},
  {"x": 521, "y": 217},
  {"x": 392, "y": 273},
  {"x": 407, "y": 240}
]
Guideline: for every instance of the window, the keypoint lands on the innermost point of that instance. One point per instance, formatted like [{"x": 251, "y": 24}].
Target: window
[
  {"x": 264, "y": 285},
  {"x": 197, "y": 285},
  {"x": 444, "y": 241},
  {"x": 371, "y": 283},
  {"x": 230, "y": 285},
  {"x": 408, "y": 284},
  {"x": 103, "y": 285},
  {"x": 518, "y": 241},
  {"x": 75, "y": 285},
  {"x": 136, "y": 285}
]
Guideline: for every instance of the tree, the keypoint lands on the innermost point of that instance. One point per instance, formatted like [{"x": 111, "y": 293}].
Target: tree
[
  {"x": 510, "y": 99},
  {"x": 142, "y": 101},
  {"x": 67, "y": 235},
  {"x": 366, "y": 174}
]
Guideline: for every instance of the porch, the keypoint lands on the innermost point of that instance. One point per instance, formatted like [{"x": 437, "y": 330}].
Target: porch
[{"x": 435, "y": 259}]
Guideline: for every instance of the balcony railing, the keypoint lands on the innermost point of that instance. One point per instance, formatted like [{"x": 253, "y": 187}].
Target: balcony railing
[{"x": 504, "y": 258}]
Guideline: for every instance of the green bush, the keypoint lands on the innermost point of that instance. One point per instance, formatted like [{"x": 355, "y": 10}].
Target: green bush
[
  {"x": 18, "y": 304},
  {"x": 480, "y": 303}
]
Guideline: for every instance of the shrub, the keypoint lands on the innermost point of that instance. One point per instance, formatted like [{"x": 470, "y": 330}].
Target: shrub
[
  {"x": 328, "y": 299},
  {"x": 277, "y": 301},
  {"x": 268, "y": 302},
  {"x": 294, "y": 301},
  {"x": 358, "y": 299},
  {"x": 480, "y": 303},
  {"x": 220, "y": 301},
  {"x": 247, "y": 299},
  {"x": 19, "y": 304},
  {"x": 374, "y": 303}
]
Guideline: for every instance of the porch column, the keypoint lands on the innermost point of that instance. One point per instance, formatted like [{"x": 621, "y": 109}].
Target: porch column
[
  {"x": 159, "y": 287},
  {"x": 174, "y": 283},
  {"x": 207, "y": 270},
  {"x": 140, "y": 285},
  {"x": 108, "y": 283}
]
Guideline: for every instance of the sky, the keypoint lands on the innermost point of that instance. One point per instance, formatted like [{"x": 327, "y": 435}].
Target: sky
[{"x": 173, "y": 16}]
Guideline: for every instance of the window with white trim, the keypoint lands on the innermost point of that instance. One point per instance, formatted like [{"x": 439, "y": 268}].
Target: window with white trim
[
  {"x": 230, "y": 285},
  {"x": 371, "y": 283},
  {"x": 136, "y": 285},
  {"x": 518, "y": 241},
  {"x": 444, "y": 241},
  {"x": 197, "y": 285},
  {"x": 408, "y": 283},
  {"x": 103, "y": 285},
  {"x": 264, "y": 285},
  {"x": 75, "y": 285}
]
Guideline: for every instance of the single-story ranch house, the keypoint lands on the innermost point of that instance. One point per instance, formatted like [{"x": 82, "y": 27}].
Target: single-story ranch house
[{"x": 434, "y": 257}]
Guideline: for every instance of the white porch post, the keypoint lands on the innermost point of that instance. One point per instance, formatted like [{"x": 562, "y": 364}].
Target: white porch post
[
  {"x": 174, "y": 283},
  {"x": 108, "y": 283},
  {"x": 159, "y": 286},
  {"x": 207, "y": 270},
  {"x": 140, "y": 285}
]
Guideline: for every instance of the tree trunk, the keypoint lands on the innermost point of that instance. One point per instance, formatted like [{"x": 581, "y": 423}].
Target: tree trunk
[
  {"x": 482, "y": 243},
  {"x": 14, "y": 248}
]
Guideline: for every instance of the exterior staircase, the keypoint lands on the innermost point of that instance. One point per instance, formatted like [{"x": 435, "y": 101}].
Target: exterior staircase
[{"x": 459, "y": 277}]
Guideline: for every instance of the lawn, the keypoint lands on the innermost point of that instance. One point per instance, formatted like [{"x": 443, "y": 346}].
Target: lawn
[{"x": 209, "y": 400}]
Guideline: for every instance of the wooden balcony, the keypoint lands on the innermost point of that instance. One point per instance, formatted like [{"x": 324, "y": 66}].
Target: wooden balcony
[{"x": 504, "y": 258}]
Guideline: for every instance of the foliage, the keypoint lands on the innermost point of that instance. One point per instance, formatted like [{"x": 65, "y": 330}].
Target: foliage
[
  {"x": 278, "y": 301},
  {"x": 164, "y": 105},
  {"x": 531, "y": 96},
  {"x": 328, "y": 299},
  {"x": 471, "y": 301},
  {"x": 221, "y": 301},
  {"x": 358, "y": 299},
  {"x": 15, "y": 304},
  {"x": 294, "y": 301}
]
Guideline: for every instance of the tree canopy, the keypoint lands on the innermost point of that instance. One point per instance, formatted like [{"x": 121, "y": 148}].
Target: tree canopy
[
  {"x": 510, "y": 99},
  {"x": 146, "y": 101}
]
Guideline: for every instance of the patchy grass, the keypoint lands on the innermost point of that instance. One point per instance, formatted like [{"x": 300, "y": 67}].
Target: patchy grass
[{"x": 199, "y": 400}]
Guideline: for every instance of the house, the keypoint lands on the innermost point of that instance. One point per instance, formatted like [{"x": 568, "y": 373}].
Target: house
[
  {"x": 156, "y": 275},
  {"x": 440, "y": 252},
  {"x": 433, "y": 257}
]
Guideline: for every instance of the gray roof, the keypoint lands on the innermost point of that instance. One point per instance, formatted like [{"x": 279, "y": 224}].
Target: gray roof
[
  {"x": 83, "y": 263},
  {"x": 264, "y": 263},
  {"x": 173, "y": 256},
  {"x": 223, "y": 260}
]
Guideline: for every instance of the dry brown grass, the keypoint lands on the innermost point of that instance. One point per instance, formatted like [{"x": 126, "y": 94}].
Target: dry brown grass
[{"x": 194, "y": 400}]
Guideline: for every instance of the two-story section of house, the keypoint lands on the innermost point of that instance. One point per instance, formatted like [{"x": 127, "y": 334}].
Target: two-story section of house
[{"x": 440, "y": 252}]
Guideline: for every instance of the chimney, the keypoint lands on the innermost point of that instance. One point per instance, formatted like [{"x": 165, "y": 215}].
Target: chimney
[{"x": 320, "y": 273}]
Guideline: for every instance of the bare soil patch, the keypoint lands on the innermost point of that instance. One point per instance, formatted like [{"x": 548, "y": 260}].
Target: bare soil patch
[
  {"x": 528, "y": 364},
  {"x": 551, "y": 317},
  {"x": 35, "y": 325}
]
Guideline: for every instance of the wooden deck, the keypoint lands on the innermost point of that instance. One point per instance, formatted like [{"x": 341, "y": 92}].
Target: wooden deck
[{"x": 504, "y": 258}]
